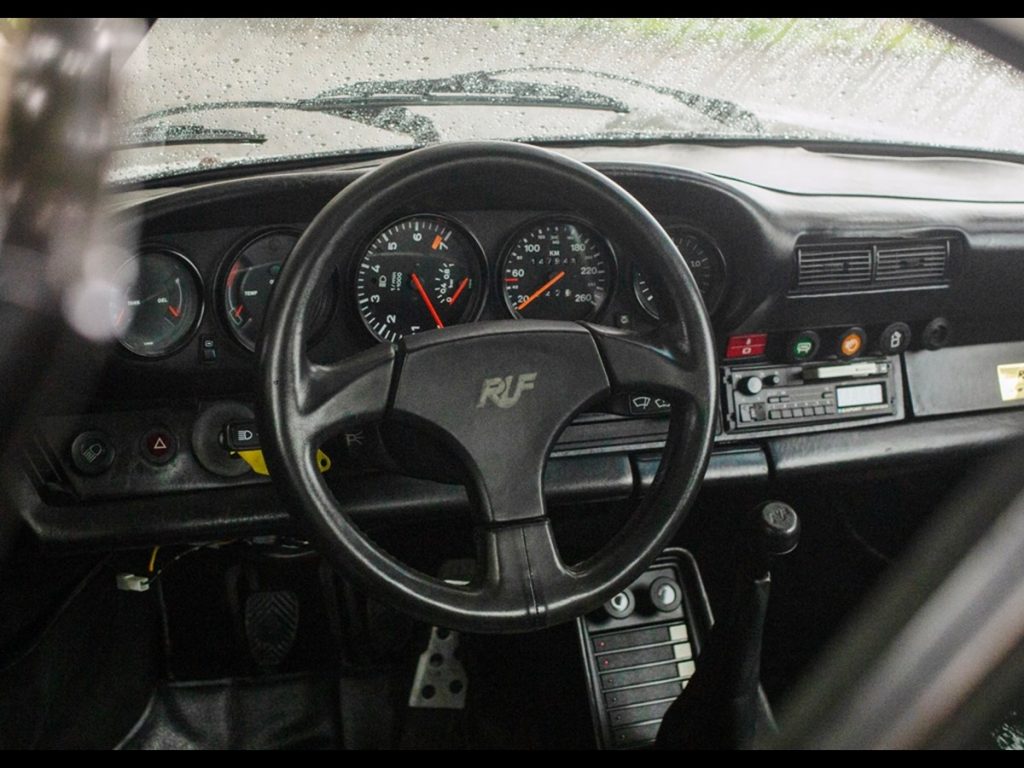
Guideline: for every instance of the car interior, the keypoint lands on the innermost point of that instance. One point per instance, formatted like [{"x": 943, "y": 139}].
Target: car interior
[{"x": 502, "y": 442}]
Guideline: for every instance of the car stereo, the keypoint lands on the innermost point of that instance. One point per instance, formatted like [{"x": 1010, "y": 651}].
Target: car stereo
[{"x": 759, "y": 397}]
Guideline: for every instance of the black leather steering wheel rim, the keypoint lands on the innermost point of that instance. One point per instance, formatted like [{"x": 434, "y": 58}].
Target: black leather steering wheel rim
[{"x": 434, "y": 380}]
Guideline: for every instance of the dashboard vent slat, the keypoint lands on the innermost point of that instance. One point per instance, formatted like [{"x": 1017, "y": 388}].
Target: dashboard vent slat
[
  {"x": 833, "y": 267},
  {"x": 920, "y": 263},
  {"x": 844, "y": 266}
]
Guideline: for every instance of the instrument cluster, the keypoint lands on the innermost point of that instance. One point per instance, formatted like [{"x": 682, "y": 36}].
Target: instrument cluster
[{"x": 417, "y": 273}]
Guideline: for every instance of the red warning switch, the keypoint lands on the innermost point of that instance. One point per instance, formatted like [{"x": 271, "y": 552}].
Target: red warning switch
[
  {"x": 159, "y": 446},
  {"x": 746, "y": 345}
]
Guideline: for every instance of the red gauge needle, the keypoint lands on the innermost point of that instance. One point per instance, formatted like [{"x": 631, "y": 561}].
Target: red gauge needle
[
  {"x": 426, "y": 299},
  {"x": 174, "y": 311},
  {"x": 458, "y": 291},
  {"x": 529, "y": 299}
]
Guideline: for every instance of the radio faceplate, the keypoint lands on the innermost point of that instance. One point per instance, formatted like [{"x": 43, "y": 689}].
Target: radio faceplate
[{"x": 775, "y": 397}]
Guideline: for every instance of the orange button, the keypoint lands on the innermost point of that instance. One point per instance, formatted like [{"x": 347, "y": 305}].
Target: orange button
[{"x": 852, "y": 342}]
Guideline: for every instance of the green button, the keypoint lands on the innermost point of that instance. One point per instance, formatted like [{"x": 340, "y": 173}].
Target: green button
[{"x": 803, "y": 346}]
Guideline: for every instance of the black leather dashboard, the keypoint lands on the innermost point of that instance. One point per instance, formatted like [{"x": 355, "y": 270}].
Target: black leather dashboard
[{"x": 755, "y": 203}]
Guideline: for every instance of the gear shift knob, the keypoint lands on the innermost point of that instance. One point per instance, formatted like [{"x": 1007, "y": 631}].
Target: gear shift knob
[{"x": 776, "y": 532}]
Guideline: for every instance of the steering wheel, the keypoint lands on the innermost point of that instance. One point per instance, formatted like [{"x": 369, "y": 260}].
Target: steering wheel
[{"x": 448, "y": 382}]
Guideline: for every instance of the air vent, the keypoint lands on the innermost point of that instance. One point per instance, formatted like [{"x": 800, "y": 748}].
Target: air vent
[
  {"x": 850, "y": 266},
  {"x": 833, "y": 266},
  {"x": 917, "y": 263}
]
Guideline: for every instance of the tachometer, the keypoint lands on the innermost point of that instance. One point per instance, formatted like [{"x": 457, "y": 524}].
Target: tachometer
[
  {"x": 418, "y": 273},
  {"x": 249, "y": 281},
  {"x": 158, "y": 304},
  {"x": 705, "y": 262},
  {"x": 557, "y": 269}
]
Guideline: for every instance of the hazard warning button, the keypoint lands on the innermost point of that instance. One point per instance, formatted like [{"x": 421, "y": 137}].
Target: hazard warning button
[{"x": 159, "y": 446}]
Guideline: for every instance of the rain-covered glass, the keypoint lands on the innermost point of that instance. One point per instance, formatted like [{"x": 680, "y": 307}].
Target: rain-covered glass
[{"x": 206, "y": 93}]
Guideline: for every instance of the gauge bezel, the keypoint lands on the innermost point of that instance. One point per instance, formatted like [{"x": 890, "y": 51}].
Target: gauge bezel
[
  {"x": 472, "y": 313},
  {"x": 635, "y": 282},
  {"x": 557, "y": 218},
  {"x": 711, "y": 303},
  {"x": 197, "y": 284},
  {"x": 220, "y": 289}
]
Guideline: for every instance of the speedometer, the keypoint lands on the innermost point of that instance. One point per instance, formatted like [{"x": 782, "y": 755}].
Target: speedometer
[{"x": 557, "y": 269}]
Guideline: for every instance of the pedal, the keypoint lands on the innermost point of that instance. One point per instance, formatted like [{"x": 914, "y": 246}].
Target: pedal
[
  {"x": 440, "y": 680},
  {"x": 271, "y": 625}
]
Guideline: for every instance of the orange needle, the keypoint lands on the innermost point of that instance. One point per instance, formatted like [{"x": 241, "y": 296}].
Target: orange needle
[
  {"x": 529, "y": 299},
  {"x": 459, "y": 290},
  {"x": 426, "y": 300}
]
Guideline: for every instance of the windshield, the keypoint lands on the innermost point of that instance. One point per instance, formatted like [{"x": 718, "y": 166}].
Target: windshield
[{"x": 206, "y": 93}]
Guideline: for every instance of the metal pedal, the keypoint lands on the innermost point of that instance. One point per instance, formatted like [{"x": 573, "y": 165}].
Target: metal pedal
[
  {"x": 271, "y": 624},
  {"x": 440, "y": 681}
]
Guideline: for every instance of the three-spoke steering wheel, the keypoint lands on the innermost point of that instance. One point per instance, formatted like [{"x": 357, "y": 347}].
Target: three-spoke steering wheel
[{"x": 498, "y": 393}]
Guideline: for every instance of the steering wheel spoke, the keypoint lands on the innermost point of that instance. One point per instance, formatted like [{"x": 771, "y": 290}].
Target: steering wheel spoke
[
  {"x": 653, "y": 364},
  {"x": 357, "y": 389},
  {"x": 521, "y": 565}
]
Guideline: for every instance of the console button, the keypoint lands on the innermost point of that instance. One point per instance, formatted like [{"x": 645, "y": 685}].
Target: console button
[
  {"x": 749, "y": 345},
  {"x": 665, "y": 594},
  {"x": 936, "y": 334},
  {"x": 92, "y": 453},
  {"x": 621, "y": 605},
  {"x": 852, "y": 342},
  {"x": 803, "y": 346},
  {"x": 894, "y": 339},
  {"x": 159, "y": 446}
]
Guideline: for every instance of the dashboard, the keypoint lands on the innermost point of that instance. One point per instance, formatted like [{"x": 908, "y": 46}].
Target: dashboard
[{"x": 862, "y": 308}]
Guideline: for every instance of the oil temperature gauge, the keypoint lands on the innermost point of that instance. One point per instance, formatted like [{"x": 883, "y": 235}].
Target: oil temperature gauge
[{"x": 249, "y": 281}]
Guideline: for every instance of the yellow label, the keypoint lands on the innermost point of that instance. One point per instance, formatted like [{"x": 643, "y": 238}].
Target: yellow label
[
  {"x": 1011, "y": 381},
  {"x": 255, "y": 460}
]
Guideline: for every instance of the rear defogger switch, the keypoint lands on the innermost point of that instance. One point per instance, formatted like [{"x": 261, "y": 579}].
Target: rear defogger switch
[{"x": 639, "y": 662}]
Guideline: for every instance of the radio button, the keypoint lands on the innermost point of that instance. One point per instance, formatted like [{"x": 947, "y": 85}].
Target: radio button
[{"x": 773, "y": 415}]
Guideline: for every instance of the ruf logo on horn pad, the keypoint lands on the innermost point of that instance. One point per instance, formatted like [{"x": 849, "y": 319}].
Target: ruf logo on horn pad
[{"x": 505, "y": 392}]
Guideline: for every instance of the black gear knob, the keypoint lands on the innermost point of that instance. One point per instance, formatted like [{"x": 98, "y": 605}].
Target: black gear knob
[{"x": 776, "y": 532}]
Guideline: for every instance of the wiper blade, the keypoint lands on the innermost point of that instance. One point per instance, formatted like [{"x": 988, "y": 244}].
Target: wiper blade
[
  {"x": 470, "y": 88},
  {"x": 385, "y": 103},
  {"x": 722, "y": 111},
  {"x": 163, "y": 135}
]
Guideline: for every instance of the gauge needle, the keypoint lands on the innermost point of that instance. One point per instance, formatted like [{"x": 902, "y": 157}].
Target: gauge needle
[
  {"x": 458, "y": 291},
  {"x": 529, "y": 299},
  {"x": 426, "y": 299}
]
